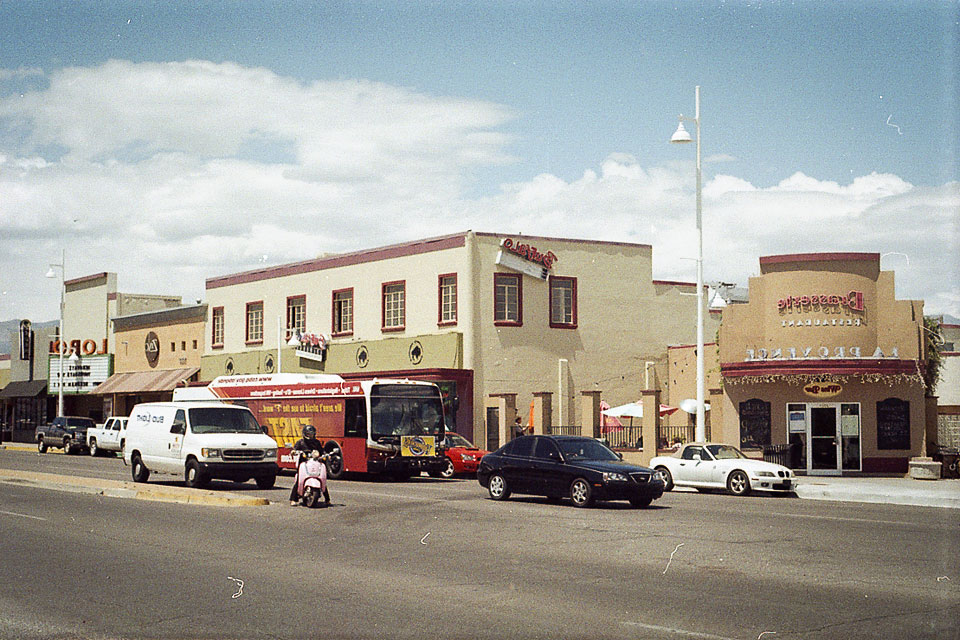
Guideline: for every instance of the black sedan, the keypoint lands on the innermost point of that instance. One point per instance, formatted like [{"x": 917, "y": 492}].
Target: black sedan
[{"x": 582, "y": 469}]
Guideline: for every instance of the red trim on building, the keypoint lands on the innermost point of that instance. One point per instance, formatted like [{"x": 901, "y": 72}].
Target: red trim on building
[
  {"x": 4, "y": 356},
  {"x": 814, "y": 367},
  {"x": 820, "y": 257},
  {"x": 95, "y": 276},
  {"x": 515, "y": 277},
  {"x": 333, "y": 313},
  {"x": 343, "y": 260},
  {"x": 112, "y": 295},
  {"x": 213, "y": 327},
  {"x": 456, "y": 307},
  {"x": 562, "y": 325},
  {"x": 383, "y": 306}
]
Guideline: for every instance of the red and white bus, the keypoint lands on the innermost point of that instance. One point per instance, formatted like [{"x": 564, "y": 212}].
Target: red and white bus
[{"x": 392, "y": 427}]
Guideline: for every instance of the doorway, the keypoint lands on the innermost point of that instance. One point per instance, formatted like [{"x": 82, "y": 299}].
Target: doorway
[{"x": 828, "y": 434}]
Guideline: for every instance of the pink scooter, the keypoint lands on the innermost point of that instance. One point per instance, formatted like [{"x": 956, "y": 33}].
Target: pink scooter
[{"x": 312, "y": 478}]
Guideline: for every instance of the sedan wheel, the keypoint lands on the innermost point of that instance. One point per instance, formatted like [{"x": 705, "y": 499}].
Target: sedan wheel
[
  {"x": 738, "y": 483},
  {"x": 498, "y": 487},
  {"x": 447, "y": 469},
  {"x": 667, "y": 478},
  {"x": 581, "y": 493}
]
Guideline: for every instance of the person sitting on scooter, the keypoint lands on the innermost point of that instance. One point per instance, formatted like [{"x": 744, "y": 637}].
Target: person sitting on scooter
[{"x": 304, "y": 446}]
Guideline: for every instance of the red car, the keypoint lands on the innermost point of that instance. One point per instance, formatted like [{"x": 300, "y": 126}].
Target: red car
[{"x": 462, "y": 456}]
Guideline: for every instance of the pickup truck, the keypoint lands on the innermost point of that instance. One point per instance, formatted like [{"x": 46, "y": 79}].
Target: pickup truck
[
  {"x": 67, "y": 432},
  {"x": 108, "y": 437}
]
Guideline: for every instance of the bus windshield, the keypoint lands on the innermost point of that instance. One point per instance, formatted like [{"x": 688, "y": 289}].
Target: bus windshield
[
  {"x": 405, "y": 410},
  {"x": 222, "y": 420}
]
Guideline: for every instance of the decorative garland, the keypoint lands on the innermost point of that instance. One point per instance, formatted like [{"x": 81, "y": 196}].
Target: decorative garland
[{"x": 797, "y": 379}]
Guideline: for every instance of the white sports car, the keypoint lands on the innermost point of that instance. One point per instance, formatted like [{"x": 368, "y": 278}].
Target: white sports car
[{"x": 718, "y": 466}]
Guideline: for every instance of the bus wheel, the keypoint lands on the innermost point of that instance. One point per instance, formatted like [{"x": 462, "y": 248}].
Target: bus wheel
[{"x": 335, "y": 463}]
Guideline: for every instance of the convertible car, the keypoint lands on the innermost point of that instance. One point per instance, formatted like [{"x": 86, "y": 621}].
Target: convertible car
[{"x": 707, "y": 466}]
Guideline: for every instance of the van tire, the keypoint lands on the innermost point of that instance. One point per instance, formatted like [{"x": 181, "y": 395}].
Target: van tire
[
  {"x": 266, "y": 482},
  {"x": 194, "y": 476},
  {"x": 138, "y": 469}
]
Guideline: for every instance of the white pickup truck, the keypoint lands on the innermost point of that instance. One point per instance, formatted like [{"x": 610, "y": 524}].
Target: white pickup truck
[{"x": 109, "y": 437}]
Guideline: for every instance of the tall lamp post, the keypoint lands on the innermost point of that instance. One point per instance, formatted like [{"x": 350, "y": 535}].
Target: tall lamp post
[
  {"x": 681, "y": 136},
  {"x": 63, "y": 287}
]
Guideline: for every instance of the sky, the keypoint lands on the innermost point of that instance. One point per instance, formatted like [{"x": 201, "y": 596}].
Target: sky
[{"x": 173, "y": 142}]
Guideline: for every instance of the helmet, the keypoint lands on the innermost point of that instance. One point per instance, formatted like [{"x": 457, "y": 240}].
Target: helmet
[{"x": 309, "y": 432}]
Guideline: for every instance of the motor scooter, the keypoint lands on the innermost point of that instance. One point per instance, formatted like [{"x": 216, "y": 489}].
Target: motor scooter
[{"x": 311, "y": 478}]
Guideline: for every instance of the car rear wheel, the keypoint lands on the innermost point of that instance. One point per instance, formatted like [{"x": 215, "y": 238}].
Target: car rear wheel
[
  {"x": 581, "y": 493},
  {"x": 41, "y": 445},
  {"x": 667, "y": 478},
  {"x": 738, "y": 483},
  {"x": 498, "y": 487},
  {"x": 448, "y": 471},
  {"x": 139, "y": 470}
]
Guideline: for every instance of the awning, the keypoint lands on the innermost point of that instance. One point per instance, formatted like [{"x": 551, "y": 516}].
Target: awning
[
  {"x": 23, "y": 389},
  {"x": 144, "y": 381}
]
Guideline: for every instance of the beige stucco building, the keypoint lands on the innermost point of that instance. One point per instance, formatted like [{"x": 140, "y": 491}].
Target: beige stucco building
[
  {"x": 499, "y": 320},
  {"x": 825, "y": 358}
]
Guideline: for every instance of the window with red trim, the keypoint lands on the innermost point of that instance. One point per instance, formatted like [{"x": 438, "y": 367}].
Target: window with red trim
[
  {"x": 255, "y": 322},
  {"x": 447, "y": 299},
  {"x": 342, "y": 312},
  {"x": 296, "y": 315},
  {"x": 563, "y": 302},
  {"x": 394, "y": 313},
  {"x": 507, "y": 299},
  {"x": 216, "y": 335}
]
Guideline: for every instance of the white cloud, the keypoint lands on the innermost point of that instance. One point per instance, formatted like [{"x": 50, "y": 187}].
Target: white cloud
[{"x": 160, "y": 181}]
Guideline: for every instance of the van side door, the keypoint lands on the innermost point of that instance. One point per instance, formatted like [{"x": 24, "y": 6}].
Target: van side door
[{"x": 177, "y": 431}]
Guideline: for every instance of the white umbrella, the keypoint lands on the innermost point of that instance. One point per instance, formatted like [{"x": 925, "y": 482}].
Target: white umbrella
[{"x": 635, "y": 410}]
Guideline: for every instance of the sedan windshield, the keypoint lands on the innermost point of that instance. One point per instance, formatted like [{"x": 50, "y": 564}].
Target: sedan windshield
[
  {"x": 222, "y": 420},
  {"x": 457, "y": 440},
  {"x": 405, "y": 410},
  {"x": 585, "y": 449},
  {"x": 724, "y": 452}
]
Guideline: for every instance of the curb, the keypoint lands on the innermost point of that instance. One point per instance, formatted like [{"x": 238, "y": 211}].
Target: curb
[
  {"x": 123, "y": 489},
  {"x": 879, "y": 496}
]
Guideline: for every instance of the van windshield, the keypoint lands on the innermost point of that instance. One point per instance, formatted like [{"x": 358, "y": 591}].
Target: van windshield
[{"x": 222, "y": 420}]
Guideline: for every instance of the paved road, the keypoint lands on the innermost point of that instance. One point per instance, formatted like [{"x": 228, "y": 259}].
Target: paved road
[{"x": 436, "y": 559}]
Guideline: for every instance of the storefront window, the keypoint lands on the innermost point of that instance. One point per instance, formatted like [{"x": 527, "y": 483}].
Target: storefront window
[
  {"x": 754, "y": 424},
  {"x": 850, "y": 436},
  {"x": 797, "y": 435},
  {"x": 893, "y": 424}
]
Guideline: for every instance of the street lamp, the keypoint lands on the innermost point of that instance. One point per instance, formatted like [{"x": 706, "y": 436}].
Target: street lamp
[
  {"x": 63, "y": 287},
  {"x": 681, "y": 135}
]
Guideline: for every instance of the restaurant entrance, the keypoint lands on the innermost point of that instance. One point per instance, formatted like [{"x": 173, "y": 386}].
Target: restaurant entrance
[{"x": 828, "y": 436}]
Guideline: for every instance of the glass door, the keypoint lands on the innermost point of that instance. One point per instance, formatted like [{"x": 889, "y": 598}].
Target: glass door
[{"x": 823, "y": 454}]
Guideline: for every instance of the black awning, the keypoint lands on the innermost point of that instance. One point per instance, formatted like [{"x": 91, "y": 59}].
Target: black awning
[{"x": 24, "y": 389}]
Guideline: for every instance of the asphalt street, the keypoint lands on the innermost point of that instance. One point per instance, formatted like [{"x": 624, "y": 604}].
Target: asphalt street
[{"x": 433, "y": 558}]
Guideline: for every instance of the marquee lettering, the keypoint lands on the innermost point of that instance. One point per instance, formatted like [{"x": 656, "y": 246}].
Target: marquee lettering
[{"x": 818, "y": 353}]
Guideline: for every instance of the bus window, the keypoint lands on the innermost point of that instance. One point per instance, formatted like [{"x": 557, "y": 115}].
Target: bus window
[
  {"x": 355, "y": 418},
  {"x": 400, "y": 410}
]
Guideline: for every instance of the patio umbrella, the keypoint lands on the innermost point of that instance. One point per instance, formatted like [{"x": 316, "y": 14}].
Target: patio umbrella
[
  {"x": 635, "y": 410},
  {"x": 610, "y": 423}
]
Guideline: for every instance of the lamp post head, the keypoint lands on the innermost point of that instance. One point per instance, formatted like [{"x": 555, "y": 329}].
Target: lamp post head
[
  {"x": 51, "y": 273},
  {"x": 681, "y": 134}
]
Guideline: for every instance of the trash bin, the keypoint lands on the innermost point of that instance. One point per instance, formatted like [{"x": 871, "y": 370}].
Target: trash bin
[
  {"x": 948, "y": 459},
  {"x": 777, "y": 453}
]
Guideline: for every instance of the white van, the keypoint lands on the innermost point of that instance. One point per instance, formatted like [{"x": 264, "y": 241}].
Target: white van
[{"x": 201, "y": 440}]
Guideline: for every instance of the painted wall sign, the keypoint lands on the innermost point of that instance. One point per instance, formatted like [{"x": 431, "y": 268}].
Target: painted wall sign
[
  {"x": 852, "y": 301},
  {"x": 823, "y": 322},
  {"x": 823, "y": 389},
  {"x": 818, "y": 353},
  {"x": 151, "y": 349},
  {"x": 86, "y": 347},
  {"x": 79, "y": 377}
]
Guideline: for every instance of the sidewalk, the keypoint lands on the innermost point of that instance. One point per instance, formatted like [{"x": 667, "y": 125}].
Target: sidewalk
[{"x": 919, "y": 493}]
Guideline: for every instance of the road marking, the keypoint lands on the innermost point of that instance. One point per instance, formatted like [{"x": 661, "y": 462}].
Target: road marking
[
  {"x": 22, "y": 515},
  {"x": 677, "y": 632}
]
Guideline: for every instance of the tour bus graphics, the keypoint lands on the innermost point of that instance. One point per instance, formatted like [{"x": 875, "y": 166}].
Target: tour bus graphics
[{"x": 380, "y": 426}]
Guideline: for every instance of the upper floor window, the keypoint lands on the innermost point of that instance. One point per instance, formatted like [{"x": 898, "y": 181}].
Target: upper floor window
[
  {"x": 507, "y": 299},
  {"x": 394, "y": 306},
  {"x": 255, "y": 321},
  {"x": 216, "y": 336},
  {"x": 563, "y": 302},
  {"x": 296, "y": 315},
  {"x": 447, "y": 299},
  {"x": 342, "y": 312}
]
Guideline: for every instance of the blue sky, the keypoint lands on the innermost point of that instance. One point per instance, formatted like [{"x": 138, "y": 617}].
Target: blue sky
[{"x": 826, "y": 126}]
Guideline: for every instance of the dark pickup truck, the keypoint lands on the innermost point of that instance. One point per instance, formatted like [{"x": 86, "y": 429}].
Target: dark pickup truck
[{"x": 67, "y": 432}]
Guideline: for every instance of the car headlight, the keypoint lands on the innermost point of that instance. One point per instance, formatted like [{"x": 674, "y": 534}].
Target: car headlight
[
  {"x": 269, "y": 453},
  {"x": 466, "y": 457},
  {"x": 765, "y": 474},
  {"x": 210, "y": 453},
  {"x": 615, "y": 477}
]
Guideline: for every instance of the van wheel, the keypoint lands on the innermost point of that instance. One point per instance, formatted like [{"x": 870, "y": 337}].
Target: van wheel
[
  {"x": 139, "y": 470},
  {"x": 266, "y": 482},
  {"x": 194, "y": 476},
  {"x": 335, "y": 463},
  {"x": 93, "y": 447},
  {"x": 41, "y": 445}
]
